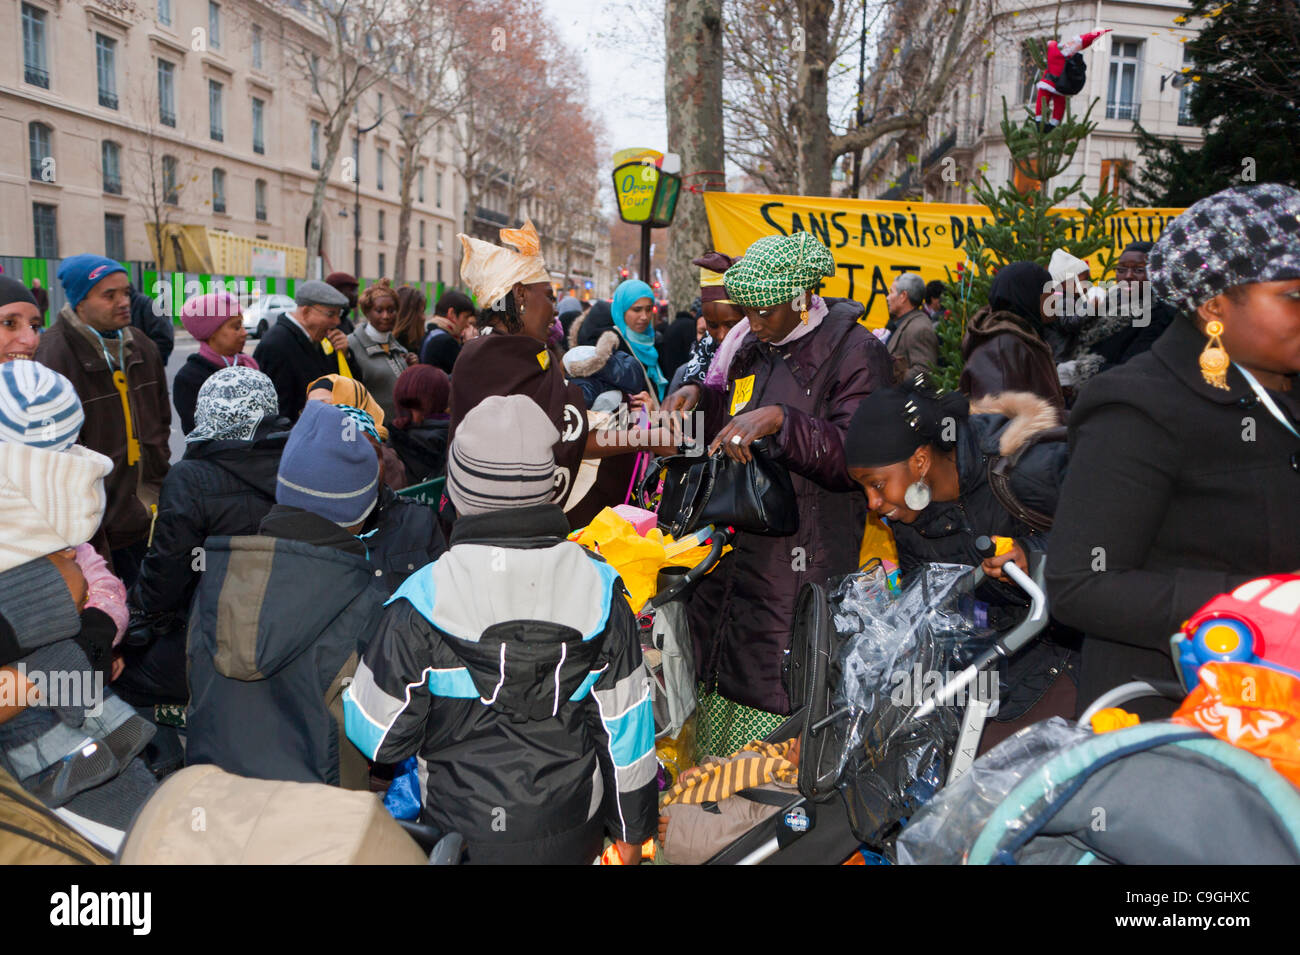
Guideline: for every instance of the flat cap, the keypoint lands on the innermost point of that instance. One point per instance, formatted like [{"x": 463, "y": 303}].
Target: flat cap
[{"x": 314, "y": 292}]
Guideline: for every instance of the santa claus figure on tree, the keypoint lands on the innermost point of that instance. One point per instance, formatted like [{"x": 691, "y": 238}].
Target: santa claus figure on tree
[{"x": 1065, "y": 75}]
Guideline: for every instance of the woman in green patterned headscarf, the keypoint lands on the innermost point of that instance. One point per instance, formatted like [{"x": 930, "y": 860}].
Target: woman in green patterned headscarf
[{"x": 792, "y": 372}]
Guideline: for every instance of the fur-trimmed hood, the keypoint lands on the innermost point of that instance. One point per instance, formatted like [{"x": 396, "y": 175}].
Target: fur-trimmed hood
[
  {"x": 584, "y": 363},
  {"x": 1027, "y": 415}
]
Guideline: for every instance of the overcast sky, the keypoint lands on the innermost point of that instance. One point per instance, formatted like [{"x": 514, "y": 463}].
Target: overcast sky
[{"x": 627, "y": 77}]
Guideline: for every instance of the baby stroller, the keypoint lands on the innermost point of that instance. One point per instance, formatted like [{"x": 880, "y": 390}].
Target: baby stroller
[
  {"x": 1166, "y": 792},
  {"x": 882, "y": 773}
]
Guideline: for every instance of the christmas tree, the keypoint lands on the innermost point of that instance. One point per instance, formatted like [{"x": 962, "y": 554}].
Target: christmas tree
[{"x": 1025, "y": 223}]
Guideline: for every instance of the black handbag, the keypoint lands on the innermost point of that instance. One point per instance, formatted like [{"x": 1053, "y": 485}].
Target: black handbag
[{"x": 693, "y": 492}]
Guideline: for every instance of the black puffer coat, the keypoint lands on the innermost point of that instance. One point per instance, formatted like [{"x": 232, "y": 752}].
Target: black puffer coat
[
  {"x": 946, "y": 532},
  {"x": 219, "y": 489}
]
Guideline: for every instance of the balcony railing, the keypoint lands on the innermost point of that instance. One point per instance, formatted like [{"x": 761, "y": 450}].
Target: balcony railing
[
  {"x": 1185, "y": 117},
  {"x": 107, "y": 99},
  {"x": 167, "y": 117},
  {"x": 1123, "y": 110},
  {"x": 113, "y": 185},
  {"x": 216, "y": 134},
  {"x": 37, "y": 76},
  {"x": 258, "y": 146},
  {"x": 945, "y": 144},
  {"x": 218, "y": 205}
]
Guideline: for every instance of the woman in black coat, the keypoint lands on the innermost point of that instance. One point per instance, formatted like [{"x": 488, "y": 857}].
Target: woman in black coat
[
  {"x": 1185, "y": 466},
  {"x": 223, "y": 486},
  {"x": 924, "y": 462}
]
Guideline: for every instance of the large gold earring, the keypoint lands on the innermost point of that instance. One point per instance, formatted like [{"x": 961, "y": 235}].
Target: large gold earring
[{"x": 1214, "y": 359}]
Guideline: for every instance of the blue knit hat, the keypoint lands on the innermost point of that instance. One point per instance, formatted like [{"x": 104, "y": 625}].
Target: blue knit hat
[
  {"x": 38, "y": 407},
  {"x": 80, "y": 273},
  {"x": 328, "y": 467}
]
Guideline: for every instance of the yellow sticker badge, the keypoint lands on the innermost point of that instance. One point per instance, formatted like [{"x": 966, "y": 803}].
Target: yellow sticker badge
[
  {"x": 742, "y": 391},
  {"x": 544, "y": 359}
]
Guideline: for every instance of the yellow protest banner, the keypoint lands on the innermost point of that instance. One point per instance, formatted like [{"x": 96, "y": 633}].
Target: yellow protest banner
[{"x": 874, "y": 240}]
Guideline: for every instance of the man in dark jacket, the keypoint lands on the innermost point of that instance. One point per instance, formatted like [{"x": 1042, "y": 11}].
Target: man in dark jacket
[
  {"x": 151, "y": 317},
  {"x": 291, "y": 353},
  {"x": 451, "y": 316},
  {"x": 913, "y": 343},
  {"x": 279, "y": 619},
  {"x": 120, "y": 380},
  {"x": 512, "y": 666}
]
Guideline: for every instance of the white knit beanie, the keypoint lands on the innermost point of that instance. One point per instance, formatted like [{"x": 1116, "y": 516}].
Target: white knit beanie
[
  {"x": 503, "y": 456},
  {"x": 49, "y": 500}
]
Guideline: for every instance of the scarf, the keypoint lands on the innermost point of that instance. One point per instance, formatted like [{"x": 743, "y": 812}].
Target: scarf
[
  {"x": 349, "y": 391},
  {"x": 717, "y": 376},
  {"x": 226, "y": 361},
  {"x": 697, "y": 366},
  {"x": 718, "y": 781},
  {"x": 379, "y": 338},
  {"x": 231, "y": 404},
  {"x": 641, "y": 343}
]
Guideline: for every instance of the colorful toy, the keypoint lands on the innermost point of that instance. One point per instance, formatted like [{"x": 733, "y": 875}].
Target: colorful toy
[
  {"x": 1065, "y": 75},
  {"x": 1258, "y": 623}
]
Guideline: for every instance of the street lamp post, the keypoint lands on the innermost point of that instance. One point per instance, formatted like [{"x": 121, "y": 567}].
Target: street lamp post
[{"x": 356, "y": 201}]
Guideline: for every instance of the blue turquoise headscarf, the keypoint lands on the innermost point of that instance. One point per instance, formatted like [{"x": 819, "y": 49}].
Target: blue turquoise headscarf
[{"x": 643, "y": 343}]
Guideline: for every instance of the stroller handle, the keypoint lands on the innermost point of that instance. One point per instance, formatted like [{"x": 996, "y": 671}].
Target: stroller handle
[
  {"x": 717, "y": 541},
  {"x": 1032, "y": 584}
]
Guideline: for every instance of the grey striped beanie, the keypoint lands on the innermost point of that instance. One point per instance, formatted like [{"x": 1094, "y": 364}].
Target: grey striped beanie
[
  {"x": 503, "y": 456},
  {"x": 38, "y": 407}
]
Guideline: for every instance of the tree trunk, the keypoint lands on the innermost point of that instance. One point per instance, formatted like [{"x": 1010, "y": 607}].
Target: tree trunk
[
  {"x": 693, "y": 93},
  {"x": 811, "y": 110},
  {"x": 316, "y": 216},
  {"x": 411, "y": 155}
]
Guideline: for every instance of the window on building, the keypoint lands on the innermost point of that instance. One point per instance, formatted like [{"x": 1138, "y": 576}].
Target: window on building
[
  {"x": 1185, "y": 117},
  {"x": 422, "y": 270},
  {"x": 439, "y": 138},
  {"x": 106, "y": 67},
  {"x": 437, "y": 190},
  {"x": 419, "y": 183},
  {"x": 171, "y": 192},
  {"x": 422, "y": 233},
  {"x": 259, "y": 109},
  {"x": 214, "y": 25},
  {"x": 35, "y": 66},
  {"x": 111, "y": 160},
  {"x": 1114, "y": 173},
  {"x": 257, "y": 47},
  {"x": 439, "y": 238},
  {"x": 440, "y": 271},
  {"x": 259, "y": 199},
  {"x": 383, "y": 264},
  {"x": 166, "y": 93},
  {"x": 165, "y": 12},
  {"x": 42, "y": 155},
  {"x": 315, "y": 144},
  {"x": 45, "y": 224},
  {"x": 379, "y": 113},
  {"x": 1123, "y": 92},
  {"x": 381, "y": 227},
  {"x": 218, "y": 190},
  {"x": 216, "y": 125},
  {"x": 115, "y": 237},
  {"x": 379, "y": 169}
]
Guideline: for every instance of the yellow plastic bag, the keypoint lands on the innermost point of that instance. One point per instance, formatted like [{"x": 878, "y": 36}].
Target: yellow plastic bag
[
  {"x": 638, "y": 559},
  {"x": 877, "y": 542}
]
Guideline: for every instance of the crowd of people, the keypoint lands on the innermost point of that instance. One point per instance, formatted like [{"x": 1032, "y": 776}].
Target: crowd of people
[{"x": 270, "y": 604}]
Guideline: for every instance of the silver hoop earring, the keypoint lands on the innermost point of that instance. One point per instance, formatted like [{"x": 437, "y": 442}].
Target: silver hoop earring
[{"x": 917, "y": 496}]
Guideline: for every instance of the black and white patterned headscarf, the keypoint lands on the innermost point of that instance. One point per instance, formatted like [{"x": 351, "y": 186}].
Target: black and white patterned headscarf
[
  {"x": 1239, "y": 236},
  {"x": 232, "y": 403}
]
